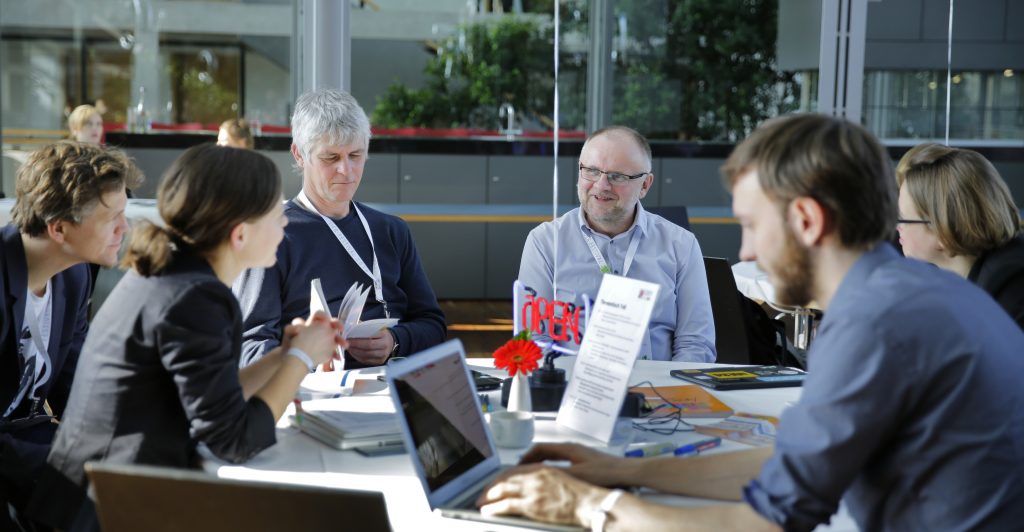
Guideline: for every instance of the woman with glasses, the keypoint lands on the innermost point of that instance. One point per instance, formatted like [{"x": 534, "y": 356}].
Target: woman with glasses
[{"x": 957, "y": 213}]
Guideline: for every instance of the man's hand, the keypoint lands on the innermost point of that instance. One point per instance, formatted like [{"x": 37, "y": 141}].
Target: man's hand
[
  {"x": 373, "y": 350},
  {"x": 588, "y": 464},
  {"x": 542, "y": 494}
]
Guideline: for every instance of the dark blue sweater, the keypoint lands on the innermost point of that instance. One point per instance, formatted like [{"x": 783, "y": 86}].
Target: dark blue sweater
[{"x": 272, "y": 297}]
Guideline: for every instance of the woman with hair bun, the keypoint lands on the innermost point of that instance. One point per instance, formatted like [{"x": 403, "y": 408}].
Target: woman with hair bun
[
  {"x": 957, "y": 213},
  {"x": 159, "y": 371}
]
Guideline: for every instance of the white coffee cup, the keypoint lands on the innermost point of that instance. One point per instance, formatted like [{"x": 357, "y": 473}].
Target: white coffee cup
[{"x": 512, "y": 429}]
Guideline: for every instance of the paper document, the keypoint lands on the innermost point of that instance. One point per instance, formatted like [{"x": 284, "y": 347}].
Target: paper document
[
  {"x": 615, "y": 332},
  {"x": 349, "y": 311}
]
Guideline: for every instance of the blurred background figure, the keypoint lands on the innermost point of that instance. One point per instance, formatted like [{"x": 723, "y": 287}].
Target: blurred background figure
[
  {"x": 957, "y": 213},
  {"x": 86, "y": 124},
  {"x": 235, "y": 133}
]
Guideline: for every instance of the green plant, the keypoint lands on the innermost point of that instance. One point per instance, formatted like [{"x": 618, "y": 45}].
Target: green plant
[{"x": 479, "y": 67}]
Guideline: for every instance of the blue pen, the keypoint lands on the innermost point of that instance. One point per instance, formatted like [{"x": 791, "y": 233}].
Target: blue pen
[
  {"x": 698, "y": 446},
  {"x": 651, "y": 449}
]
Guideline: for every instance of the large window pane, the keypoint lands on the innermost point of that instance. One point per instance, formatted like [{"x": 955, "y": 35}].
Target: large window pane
[
  {"x": 699, "y": 70},
  {"x": 459, "y": 68}
]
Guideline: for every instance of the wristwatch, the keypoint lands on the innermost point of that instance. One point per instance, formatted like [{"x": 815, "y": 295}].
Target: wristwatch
[
  {"x": 599, "y": 517},
  {"x": 394, "y": 337}
]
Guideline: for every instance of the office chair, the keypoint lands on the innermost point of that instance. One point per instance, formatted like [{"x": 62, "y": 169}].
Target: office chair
[
  {"x": 731, "y": 340},
  {"x": 133, "y": 497},
  {"x": 676, "y": 214}
]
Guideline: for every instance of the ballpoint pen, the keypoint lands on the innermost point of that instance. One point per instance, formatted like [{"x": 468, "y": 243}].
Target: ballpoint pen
[
  {"x": 697, "y": 446},
  {"x": 651, "y": 449}
]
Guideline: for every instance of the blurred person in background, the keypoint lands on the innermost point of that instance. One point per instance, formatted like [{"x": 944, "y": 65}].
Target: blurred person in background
[
  {"x": 957, "y": 213},
  {"x": 86, "y": 125},
  {"x": 235, "y": 133}
]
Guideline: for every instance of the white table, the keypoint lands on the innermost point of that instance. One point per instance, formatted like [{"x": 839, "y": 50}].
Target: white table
[{"x": 298, "y": 459}]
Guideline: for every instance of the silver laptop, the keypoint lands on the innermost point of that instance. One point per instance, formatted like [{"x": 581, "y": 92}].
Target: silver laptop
[{"x": 450, "y": 444}]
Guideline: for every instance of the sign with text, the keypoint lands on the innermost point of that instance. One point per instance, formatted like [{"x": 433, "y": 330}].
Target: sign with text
[{"x": 615, "y": 332}]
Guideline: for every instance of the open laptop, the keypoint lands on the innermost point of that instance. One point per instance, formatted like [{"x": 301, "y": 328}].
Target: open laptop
[
  {"x": 452, "y": 450},
  {"x": 135, "y": 497}
]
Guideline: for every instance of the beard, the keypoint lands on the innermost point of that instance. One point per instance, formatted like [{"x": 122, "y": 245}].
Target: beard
[{"x": 793, "y": 273}]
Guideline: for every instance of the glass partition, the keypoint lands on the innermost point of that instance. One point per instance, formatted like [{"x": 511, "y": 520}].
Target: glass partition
[
  {"x": 705, "y": 71},
  {"x": 469, "y": 68},
  {"x": 145, "y": 64}
]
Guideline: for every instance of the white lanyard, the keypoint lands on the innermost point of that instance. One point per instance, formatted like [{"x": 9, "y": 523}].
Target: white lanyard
[
  {"x": 374, "y": 275},
  {"x": 634, "y": 243}
]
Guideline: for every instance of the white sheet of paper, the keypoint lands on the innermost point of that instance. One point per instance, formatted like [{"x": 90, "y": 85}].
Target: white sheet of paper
[
  {"x": 615, "y": 331},
  {"x": 317, "y": 301},
  {"x": 366, "y": 329}
]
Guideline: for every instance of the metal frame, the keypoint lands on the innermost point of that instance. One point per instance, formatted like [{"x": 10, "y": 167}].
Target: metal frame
[
  {"x": 321, "y": 45},
  {"x": 841, "y": 58},
  {"x": 599, "y": 65}
]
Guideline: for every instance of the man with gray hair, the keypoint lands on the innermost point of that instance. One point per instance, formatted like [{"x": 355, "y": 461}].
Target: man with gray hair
[{"x": 331, "y": 237}]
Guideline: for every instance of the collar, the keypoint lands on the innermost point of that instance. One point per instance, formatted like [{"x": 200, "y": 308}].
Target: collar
[
  {"x": 16, "y": 264},
  {"x": 861, "y": 270},
  {"x": 640, "y": 223},
  {"x": 294, "y": 202}
]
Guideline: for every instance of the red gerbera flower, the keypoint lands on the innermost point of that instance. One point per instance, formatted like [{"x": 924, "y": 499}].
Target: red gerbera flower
[{"x": 517, "y": 355}]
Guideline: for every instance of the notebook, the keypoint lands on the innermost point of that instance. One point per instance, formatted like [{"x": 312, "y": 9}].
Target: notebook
[
  {"x": 451, "y": 447},
  {"x": 742, "y": 377},
  {"x": 348, "y": 430}
]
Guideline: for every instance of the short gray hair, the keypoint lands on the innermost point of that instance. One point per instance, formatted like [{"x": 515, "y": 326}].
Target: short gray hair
[{"x": 328, "y": 115}]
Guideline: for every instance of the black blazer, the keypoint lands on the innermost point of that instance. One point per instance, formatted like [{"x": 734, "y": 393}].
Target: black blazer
[
  {"x": 1000, "y": 272},
  {"x": 23, "y": 449},
  {"x": 158, "y": 374}
]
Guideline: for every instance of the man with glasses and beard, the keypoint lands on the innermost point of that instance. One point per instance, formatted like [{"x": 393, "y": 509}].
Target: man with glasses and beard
[
  {"x": 912, "y": 410},
  {"x": 612, "y": 233}
]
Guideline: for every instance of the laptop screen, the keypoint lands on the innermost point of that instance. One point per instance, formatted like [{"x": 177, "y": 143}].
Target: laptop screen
[{"x": 447, "y": 429}]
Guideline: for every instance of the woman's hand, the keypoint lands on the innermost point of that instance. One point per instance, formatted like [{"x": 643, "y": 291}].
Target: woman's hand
[{"x": 317, "y": 337}]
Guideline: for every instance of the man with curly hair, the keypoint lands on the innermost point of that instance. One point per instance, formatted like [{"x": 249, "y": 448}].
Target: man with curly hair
[{"x": 69, "y": 211}]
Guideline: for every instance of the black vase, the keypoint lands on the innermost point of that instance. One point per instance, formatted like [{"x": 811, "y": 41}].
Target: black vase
[{"x": 547, "y": 386}]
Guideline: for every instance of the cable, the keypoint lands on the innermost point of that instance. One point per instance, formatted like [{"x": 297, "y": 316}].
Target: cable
[{"x": 666, "y": 423}]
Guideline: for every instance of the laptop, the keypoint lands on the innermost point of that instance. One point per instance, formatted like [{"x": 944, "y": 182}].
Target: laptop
[
  {"x": 452, "y": 450},
  {"x": 135, "y": 497}
]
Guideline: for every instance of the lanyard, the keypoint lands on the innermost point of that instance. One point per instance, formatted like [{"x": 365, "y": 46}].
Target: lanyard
[
  {"x": 374, "y": 275},
  {"x": 634, "y": 243}
]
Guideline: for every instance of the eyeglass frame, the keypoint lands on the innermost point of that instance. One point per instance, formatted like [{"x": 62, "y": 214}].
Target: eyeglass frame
[
  {"x": 908, "y": 221},
  {"x": 615, "y": 178}
]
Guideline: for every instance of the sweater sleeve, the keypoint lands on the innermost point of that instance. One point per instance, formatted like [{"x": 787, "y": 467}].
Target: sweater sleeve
[
  {"x": 424, "y": 325},
  {"x": 260, "y": 294}
]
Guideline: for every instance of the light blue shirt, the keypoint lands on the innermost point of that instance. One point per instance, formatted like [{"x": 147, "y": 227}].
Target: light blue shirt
[{"x": 681, "y": 326}]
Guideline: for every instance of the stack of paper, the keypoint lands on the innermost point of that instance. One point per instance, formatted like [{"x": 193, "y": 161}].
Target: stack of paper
[{"x": 348, "y": 430}]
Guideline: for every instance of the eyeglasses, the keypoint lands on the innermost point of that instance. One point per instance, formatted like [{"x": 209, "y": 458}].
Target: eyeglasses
[
  {"x": 615, "y": 178},
  {"x": 907, "y": 221}
]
